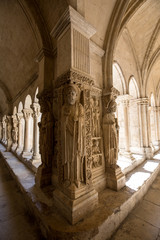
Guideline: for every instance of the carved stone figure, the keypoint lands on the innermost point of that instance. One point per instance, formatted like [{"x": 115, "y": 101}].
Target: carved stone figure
[
  {"x": 46, "y": 127},
  {"x": 111, "y": 130},
  {"x": 72, "y": 137},
  {"x": 95, "y": 147},
  {"x": 97, "y": 119}
]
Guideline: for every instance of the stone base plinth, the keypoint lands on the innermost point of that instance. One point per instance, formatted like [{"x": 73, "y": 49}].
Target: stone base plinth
[
  {"x": 27, "y": 155},
  {"x": 115, "y": 178},
  {"x": 43, "y": 176},
  {"x": 75, "y": 210}
]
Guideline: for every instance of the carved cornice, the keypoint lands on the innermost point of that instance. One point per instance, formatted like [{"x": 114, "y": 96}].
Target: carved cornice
[
  {"x": 71, "y": 16},
  {"x": 96, "y": 49},
  {"x": 73, "y": 76}
]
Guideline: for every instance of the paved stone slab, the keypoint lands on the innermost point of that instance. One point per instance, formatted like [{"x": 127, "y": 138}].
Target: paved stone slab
[
  {"x": 136, "y": 229},
  {"x": 153, "y": 195},
  {"x": 148, "y": 212}
]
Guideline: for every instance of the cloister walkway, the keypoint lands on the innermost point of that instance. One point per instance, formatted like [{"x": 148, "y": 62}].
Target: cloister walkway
[
  {"x": 15, "y": 222},
  {"x": 143, "y": 223}
]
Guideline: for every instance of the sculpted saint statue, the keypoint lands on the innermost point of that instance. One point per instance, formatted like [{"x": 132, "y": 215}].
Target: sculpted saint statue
[
  {"x": 113, "y": 131},
  {"x": 72, "y": 137}
]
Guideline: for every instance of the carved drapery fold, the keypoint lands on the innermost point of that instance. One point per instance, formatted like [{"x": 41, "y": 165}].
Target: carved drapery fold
[{"x": 46, "y": 126}]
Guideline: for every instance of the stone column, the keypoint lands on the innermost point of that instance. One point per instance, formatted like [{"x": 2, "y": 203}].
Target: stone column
[
  {"x": 14, "y": 132},
  {"x": 4, "y": 130},
  {"x": 156, "y": 120},
  {"x": 1, "y": 131},
  {"x": 143, "y": 105},
  {"x": 27, "y": 150},
  {"x": 20, "y": 133},
  {"x": 36, "y": 113},
  {"x": 115, "y": 177},
  {"x": 124, "y": 100},
  {"x": 9, "y": 132},
  {"x": 74, "y": 195}
]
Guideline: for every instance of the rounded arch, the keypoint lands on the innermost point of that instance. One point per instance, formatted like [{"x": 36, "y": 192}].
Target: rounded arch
[
  {"x": 20, "y": 107},
  {"x": 37, "y": 23},
  {"x": 118, "y": 79},
  {"x": 14, "y": 110},
  {"x": 133, "y": 88},
  {"x": 28, "y": 102}
]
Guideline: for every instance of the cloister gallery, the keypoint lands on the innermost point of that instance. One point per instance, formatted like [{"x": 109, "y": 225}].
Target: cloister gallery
[{"x": 80, "y": 108}]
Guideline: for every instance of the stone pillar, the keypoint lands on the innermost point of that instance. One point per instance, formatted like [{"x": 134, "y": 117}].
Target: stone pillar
[
  {"x": 20, "y": 133},
  {"x": 4, "y": 130},
  {"x": 27, "y": 150},
  {"x": 1, "y": 130},
  {"x": 9, "y": 132},
  {"x": 156, "y": 120},
  {"x": 115, "y": 177},
  {"x": 124, "y": 101},
  {"x": 75, "y": 195},
  {"x": 143, "y": 105},
  {"x": 14, "y": 132},
  {"x": 36, "y": 113}
]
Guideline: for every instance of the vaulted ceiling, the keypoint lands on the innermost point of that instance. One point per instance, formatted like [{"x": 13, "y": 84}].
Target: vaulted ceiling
[{"x": 20, "y": 42}]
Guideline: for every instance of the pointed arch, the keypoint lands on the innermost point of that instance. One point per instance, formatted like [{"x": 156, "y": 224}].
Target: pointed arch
[
  {"x": 118, "y": 79},
  {"x": 133, "y": 88}
]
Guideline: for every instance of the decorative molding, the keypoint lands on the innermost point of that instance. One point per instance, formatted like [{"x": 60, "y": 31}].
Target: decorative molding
[
  {"x": 71, "y": 16},
  {"x": 44, "y": 52},
  {"x": 73, "y": 76},
  {"x": 96, "y": 49}
]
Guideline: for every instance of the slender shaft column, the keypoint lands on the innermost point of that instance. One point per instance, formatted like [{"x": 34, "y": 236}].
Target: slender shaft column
[
  {"x": 1, "y": 129},
  {"x": 20, "y": 133},
  {"x": 27, "y": 151},
  {"x": 126, "y": 126},
  {"x": 36, "y": 114},
  {"x": 156, "y": 120},
  {"x": 143, "y": 105}
]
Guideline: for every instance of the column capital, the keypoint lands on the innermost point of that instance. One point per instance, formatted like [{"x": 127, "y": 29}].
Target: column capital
[
  {"x": 143, "y": 101},
  {"x": 27, "y": 113},
  {"x": 19, "y": 116},
  {"x": 36, "y": 110}
]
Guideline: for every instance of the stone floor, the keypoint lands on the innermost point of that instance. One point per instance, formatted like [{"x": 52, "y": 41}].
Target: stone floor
[
  {"x": 15, "y": 222},
  {"x": 143, "y": 223}
]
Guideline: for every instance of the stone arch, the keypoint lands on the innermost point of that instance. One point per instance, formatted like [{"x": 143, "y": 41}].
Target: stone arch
[
  {"x": 118, "y": 79},
  {"x": 133, "y": 88},
  {"x": 37, "y": 23},
  {"x": 15, "y": 110},
  {"x": 20, "y": 107},
  {"x": 28, "y": 101}
]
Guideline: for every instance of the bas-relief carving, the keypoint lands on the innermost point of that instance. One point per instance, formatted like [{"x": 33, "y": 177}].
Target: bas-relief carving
[
  {"x": 15, "y": 130},
  {"x": 72, "y": 137},
  {"x": 111, "y": 129},
  {"x": 46, "y": 128}
]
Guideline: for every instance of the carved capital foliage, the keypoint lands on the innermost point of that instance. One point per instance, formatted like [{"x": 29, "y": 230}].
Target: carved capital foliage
[
  {"x": 27, "y": 113},
  {"x": 72, "y": 77},
  {"x": 36, "y": 110}
]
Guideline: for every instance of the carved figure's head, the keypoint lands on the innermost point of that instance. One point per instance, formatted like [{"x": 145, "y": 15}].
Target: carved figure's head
[{"x": 71, "y": 95}]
